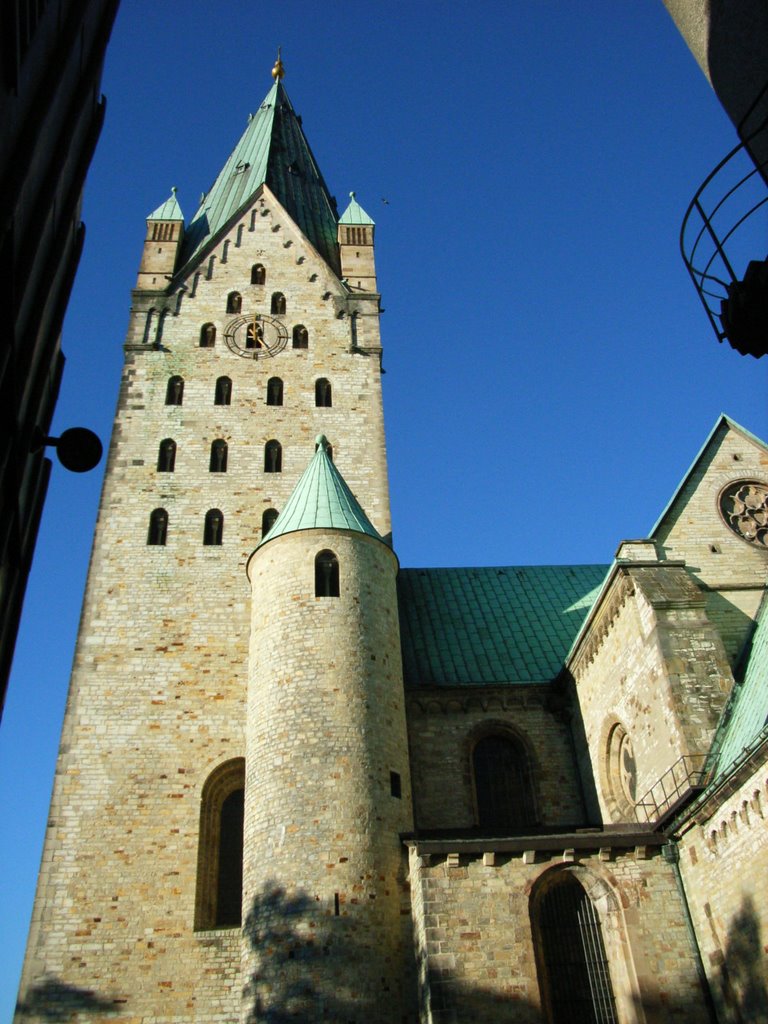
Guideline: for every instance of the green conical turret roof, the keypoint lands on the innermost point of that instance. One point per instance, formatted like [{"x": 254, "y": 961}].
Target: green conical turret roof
[
  {"x": 321, "y": 500},
  {"x": 170, "y": 210},
  {"x": 274, "y": 151},
  {"x": 354, "y": 213}
]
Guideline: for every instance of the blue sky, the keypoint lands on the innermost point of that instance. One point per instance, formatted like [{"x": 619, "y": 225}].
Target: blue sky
[{"x": 550, "y": 372}]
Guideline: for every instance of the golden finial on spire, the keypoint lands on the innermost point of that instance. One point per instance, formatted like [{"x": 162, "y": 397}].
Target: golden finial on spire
[{"x": 278, "y": 71}]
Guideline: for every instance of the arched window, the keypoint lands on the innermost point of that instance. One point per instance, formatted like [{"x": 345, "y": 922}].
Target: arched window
[
  {"x": 502, "y": 783},
  {"x": 174, "y": 392},
  {"x": 234, "y": 302},
  {"x": 268, "y": 520},
  {"x": 223, "y": 393},
  {"x": 323, "y": 393},
  {"x": 273, "y": 457},
  {"x": 218, "y": 462},
  {"x": 207, "y": 336},
  {"x": 258, "y": 274},
  {"x": 158, "y": 527},
  {"x": 278, "y": 303},
  {"x": 218, "y": 902},
  {"x": 254, "y": 334},
  {"x": 274, "y": 391},
  {"x": 166, "y": 456},
  {"x": 214, "y": 527},
  {"x": 300, "y": 336},
  {"x": 326, "y": 574},
  {"x": 576, "y": 982}
]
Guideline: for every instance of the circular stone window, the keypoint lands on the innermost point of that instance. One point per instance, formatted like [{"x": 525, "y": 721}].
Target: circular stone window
[
  {"x": 622, "y": 771},
  {"x": 743, "y": 507}
]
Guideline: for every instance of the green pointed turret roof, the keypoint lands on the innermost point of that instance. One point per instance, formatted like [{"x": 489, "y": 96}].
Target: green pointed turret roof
[
  {"x": 170, "y": 209},
  {"x": 273, "y": 150},
  {"x": 354, "y": 213},
  {"x": 321, "y": 500}
]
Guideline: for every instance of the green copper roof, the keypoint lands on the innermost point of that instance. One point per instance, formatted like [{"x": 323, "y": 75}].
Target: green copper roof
[
  {"x": 321, "y": 500},
  {"x": 170, "y": 210},
  {"x": 273, "y": 151},
  {"x": 511, "y": 624},
  {"x": 355, "y": 214},
  {"x": 746, "y": 713}
]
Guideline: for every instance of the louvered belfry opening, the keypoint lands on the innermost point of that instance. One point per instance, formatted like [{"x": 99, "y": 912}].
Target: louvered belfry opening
[{"x": 578, "y": 983}]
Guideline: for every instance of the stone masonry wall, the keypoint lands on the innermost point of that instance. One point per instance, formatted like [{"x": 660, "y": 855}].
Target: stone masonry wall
[
  {"x": 476, "y": 926},
  {"x": 158, "y": 691},
  {"x": 724, "y": 863},
  {"x": 323, "y": 860},
  {"x": 657, "y": 674},
  {"x": 444, "y": 725}
]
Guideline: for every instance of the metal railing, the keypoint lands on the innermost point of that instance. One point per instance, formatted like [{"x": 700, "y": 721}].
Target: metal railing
[
  {"x": 685, "y": 778},
  {"x": 718, "y": 238}
]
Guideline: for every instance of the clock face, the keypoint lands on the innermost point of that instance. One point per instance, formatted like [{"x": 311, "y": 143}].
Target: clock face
[{"x": 255, "y": 335}]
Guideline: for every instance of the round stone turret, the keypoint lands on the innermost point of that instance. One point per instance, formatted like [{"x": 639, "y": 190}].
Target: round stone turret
[{"x": 327, "y": 776}]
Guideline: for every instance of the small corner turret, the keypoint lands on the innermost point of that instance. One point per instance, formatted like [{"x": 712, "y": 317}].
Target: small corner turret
[
  {"x": 165, "y": 233},
  {"x": 355, "y": 238}
]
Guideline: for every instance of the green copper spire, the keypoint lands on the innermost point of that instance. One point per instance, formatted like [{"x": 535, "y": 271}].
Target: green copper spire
[
  {"x": 170, "y": 210},
  {"x": 354, "y": 213},
  {"x": 321, "y": 500},
  {"x": 274, "y": 151}
]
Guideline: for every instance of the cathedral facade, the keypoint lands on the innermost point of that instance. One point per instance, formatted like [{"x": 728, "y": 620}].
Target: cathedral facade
[{"x": 299, "y": 782}]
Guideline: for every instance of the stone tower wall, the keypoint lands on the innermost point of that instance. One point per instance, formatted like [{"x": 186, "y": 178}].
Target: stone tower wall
[
  {"x": 323, "y": 860},
  {"x": 158, "y": 691},
  {"x": 651, "y": 667}
]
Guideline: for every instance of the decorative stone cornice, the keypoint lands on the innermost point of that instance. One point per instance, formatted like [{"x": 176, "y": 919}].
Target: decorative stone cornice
[
  {"x": 621, "y": 589},
  {"x": 436, "y": 700}
]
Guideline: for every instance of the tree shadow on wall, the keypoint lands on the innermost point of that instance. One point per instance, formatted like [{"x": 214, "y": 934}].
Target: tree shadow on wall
[
  {"x": 742, "y": 973},
  {"x": 452, "y": 999},
  {"x": 299, "y": 948},
  {"x": 54, "y": 1000},
  {"x": 307, "y": 960}
]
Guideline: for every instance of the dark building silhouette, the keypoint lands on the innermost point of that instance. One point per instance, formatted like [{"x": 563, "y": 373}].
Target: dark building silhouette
[{"x": 51, "y": 110}]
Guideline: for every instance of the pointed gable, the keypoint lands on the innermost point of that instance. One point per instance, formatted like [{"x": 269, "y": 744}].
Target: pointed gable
[
  {"x": 272, "y": 151},
  {"x": 321, "y": 500},
  {"x": 169, "y": 210},
  {"x": 354, "y": 213}
]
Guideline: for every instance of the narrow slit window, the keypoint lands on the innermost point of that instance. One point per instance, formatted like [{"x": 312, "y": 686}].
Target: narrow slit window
[
  {"x": 158, "y": 527},
  {"x": 174, "y": 392},
  {"x": 323, "y": 399},
  {"x": 214, "y": 527},
  {"x": 273, "y": 457},
  {"x": 223, "y": 393},
  {"x": 326, "y": 574},
  {"x": 166, "y": 456},
  {"x": 218, "y": 461},
  {"x": 274, "y": 391}
]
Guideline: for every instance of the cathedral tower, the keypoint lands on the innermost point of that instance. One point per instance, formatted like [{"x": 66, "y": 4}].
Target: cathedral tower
[{"x": 244, "y": 343}]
